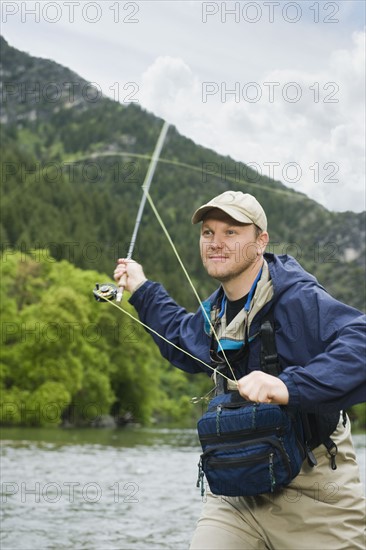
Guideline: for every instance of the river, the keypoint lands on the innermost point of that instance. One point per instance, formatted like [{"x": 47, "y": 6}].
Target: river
[{"x": 102, "y": 489}]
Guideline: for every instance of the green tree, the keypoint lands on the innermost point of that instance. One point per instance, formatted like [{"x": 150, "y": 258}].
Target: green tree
[{"x": 66, "y": 357}]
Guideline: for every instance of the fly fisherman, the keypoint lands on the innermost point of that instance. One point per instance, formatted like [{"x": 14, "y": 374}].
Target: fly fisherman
[{"x": 321, "y": 348}]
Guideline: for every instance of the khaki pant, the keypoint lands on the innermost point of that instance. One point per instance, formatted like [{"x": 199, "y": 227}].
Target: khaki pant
[{"x": 322, "y": 509}]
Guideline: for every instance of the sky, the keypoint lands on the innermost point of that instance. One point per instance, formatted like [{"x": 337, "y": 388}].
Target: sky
[{"x": 278, "y": 85}]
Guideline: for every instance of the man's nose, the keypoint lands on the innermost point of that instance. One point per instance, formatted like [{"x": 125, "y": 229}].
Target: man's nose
[{"x": 215, "y": 244}]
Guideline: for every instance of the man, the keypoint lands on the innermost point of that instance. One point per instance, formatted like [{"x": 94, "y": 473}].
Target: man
[{"x": 320, "y": 344}]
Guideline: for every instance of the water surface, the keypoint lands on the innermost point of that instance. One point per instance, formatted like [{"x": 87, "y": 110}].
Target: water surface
[{"x": 102, "y": 489}]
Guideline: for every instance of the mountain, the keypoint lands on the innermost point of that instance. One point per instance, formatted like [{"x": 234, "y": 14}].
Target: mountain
[{"x": 72, "y": 169}]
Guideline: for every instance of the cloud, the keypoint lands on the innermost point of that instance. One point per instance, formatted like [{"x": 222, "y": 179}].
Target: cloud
[
  {"x": 166, "y": 84},
  {"x": 303, "y": 128}
]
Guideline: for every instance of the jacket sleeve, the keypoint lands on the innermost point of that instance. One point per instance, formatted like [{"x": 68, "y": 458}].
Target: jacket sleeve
[
  {"x": 186, "y": 330},
  {"x": 327, "y": 340}
]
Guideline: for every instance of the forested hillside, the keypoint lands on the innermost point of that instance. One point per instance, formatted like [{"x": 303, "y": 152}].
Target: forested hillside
[{"x": 72, "y": 168}]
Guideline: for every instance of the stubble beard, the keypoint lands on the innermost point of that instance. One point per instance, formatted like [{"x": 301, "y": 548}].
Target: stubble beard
[{"x": 231, "y": 274}]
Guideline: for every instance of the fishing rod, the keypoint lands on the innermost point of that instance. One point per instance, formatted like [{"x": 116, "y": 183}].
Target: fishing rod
[{"x": 109, "y": 291}]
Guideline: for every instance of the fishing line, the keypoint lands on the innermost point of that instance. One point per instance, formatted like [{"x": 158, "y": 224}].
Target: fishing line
[
  {"x": 128, "y": 154},
  {"x": 165, "y": 339},
  {"x": 158, "y": 217}
]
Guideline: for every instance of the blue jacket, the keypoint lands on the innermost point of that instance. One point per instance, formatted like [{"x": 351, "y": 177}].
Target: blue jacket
[{"x": 320, "y": 341}]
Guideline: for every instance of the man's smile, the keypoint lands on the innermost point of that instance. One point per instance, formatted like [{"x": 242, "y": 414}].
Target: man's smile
[{"x": 217, "y": 257}]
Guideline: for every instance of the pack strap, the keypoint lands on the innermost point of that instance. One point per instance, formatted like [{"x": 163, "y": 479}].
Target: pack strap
[
  {"x": 269, "y": 357},
  {"x": 270, "y": 364}
]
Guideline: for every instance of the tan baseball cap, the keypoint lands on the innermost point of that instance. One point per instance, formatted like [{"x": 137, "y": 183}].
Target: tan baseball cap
[{"x": 242, "y": 207}]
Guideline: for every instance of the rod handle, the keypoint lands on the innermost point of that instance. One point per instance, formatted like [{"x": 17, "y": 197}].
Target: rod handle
[{"x": 121, "y": 286}]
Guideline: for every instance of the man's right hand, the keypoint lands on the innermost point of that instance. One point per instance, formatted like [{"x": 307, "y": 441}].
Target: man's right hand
[{"x": 129, "y": 274}]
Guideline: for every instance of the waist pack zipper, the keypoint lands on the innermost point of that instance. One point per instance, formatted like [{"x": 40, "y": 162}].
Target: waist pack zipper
[
  {"x": 240, "y": 434},
  {"x": 269, "y": 441},
  {"x": 232, "y": 405},
  {"x": 233, "y": 462}
]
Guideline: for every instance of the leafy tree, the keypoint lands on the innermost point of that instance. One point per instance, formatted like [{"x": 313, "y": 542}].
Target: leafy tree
[{"x": 62, "y": 349}]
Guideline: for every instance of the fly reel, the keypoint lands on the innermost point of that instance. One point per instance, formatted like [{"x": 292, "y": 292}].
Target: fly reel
[{"x": 105, "y": 292}]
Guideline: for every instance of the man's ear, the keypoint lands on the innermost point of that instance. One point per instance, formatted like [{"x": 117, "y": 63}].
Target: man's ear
[{"x": 262, "y": 241}]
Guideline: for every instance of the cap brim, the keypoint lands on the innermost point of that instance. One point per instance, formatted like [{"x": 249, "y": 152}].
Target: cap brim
[{"x": 232, "y": 212}]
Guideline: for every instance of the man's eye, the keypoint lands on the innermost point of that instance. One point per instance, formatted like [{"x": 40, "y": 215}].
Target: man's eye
[{"x": 206, "y": 232}]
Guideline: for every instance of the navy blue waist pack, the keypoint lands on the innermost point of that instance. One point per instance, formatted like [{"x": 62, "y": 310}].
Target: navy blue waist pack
[{"x": 248, "y": 448}]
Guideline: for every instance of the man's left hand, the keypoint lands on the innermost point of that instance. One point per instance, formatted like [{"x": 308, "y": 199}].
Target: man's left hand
[{"x": 263, "y": 388}]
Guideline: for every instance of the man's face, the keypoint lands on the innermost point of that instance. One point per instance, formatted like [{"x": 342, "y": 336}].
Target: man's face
[{"x": 227, "y": 247}]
